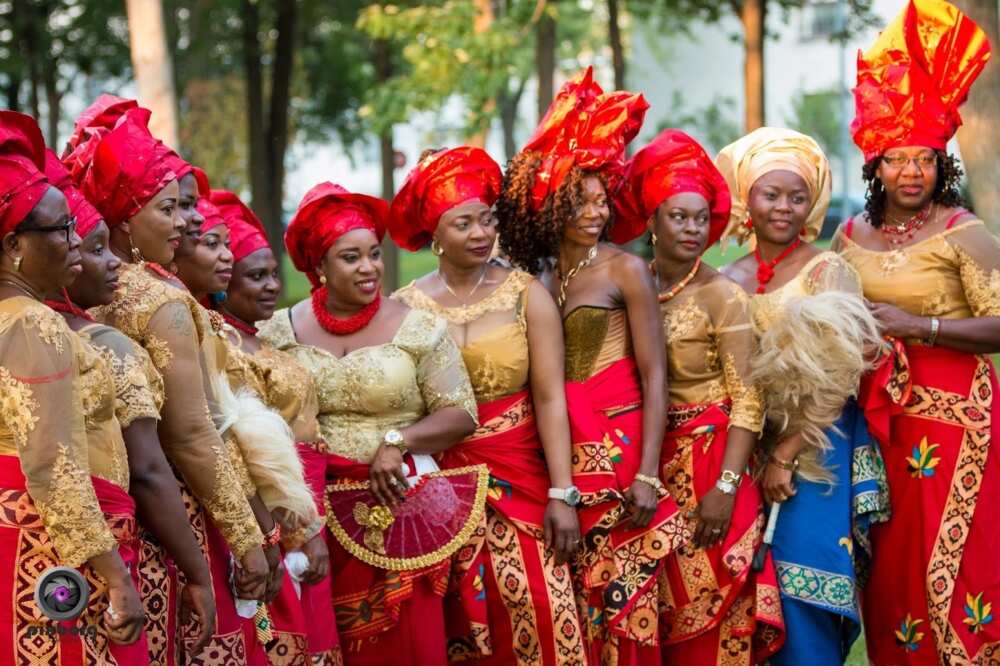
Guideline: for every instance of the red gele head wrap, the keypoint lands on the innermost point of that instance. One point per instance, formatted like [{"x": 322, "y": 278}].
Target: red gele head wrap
[
  {"x": 211, "y": 213},
  {"x": 912, "y": 81},
  {"x": 440, "y": 182},
  {"x": 672, "y": 163},
  {"x": 326, "y": 213},
  {"x": 87, "y": 217},
  {"x": 201, "y": 178},
  {"x": 129, "y": 168},
  {"x": 22, "y": 168},
  {"x": 587, "y": 128},
  {"x": 246, "y": 233},
  {"x": 103, "y": 114}
]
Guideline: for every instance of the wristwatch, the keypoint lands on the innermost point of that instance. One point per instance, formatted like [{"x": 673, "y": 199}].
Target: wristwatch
[
  {"x": 395, "y": 439},
  {"x": 570, "y": 495},
  {"x": 728, "y": 482}
]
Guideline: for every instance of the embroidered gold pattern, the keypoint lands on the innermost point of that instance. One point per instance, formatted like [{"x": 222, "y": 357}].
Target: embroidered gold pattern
[
  {"x": 681, "y": 321},
  {"x": 503, "y": 298},
  {"x": 982, "y": 288},
  {"x": 51, "y": 327},
  {"x": 17, "y": 407},
  {"x": 228, "y": 509},
  {"x": 748, "y": 405}
]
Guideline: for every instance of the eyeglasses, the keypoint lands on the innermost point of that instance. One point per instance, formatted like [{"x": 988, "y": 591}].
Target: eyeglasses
[
  {"x": 69, "y": 228},
  {"x": 900, "y": 161}
]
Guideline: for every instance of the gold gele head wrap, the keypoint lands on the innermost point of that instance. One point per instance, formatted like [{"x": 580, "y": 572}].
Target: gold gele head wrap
[{"x": 769, "y": 149}]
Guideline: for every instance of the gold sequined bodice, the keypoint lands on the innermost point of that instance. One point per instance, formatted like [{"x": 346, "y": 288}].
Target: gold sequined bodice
[
  {"x": 374, "y": 389},
  {"x": 952, "y": 275},
  {"x": 491, "y": 334},
  {"x": 105, "y": 443},
  {"x": 596, "y": 337}
]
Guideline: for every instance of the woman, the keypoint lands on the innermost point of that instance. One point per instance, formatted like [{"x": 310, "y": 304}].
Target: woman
[
  {"x": 715, "y": 412},
  {"x": 814, "y": 336},
  {"x": 553, "y": 212},
  {"x": 287, "y": 387},
  {"x": 127, "y": 178},
  {"x": 506, "y": 326},
  {"x": 391, "y": 386},
  {"x": 58, "y": 510},
  {"x": 929, "y": 268},
  {"x": 131, "y": 395}
]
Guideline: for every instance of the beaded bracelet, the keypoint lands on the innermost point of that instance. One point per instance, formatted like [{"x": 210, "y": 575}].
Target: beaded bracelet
[
  {"x": 649, "y": 480},
  {"x": 273, "y": 537}
]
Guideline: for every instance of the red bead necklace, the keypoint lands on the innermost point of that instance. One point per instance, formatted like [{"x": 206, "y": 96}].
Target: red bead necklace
[
  {"x": 239, "y": 324},
  {"x": 351, "y": 324},
  {"x": 899, "y": 233},
  {"x": 68, "y": 306},
  {"x": 160, "y": 270},
  {"x": 765, "y": 269}
]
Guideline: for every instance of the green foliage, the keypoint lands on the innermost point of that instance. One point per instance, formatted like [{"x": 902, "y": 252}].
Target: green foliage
[
  {"x": 714, "y": 124},
  {"x": 820, "y": 115}
]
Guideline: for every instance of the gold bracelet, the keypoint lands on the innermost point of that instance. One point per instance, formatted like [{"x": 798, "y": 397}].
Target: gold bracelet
[
  {"x": 935, "y": 327},
  {"x": 788, "y": 466},
  {"x": 649, "y": 480}
]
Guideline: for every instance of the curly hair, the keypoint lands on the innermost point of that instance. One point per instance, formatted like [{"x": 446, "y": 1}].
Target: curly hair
[
  {"x": 530, "y": 238},
  {"x": 946, "y": 187}
]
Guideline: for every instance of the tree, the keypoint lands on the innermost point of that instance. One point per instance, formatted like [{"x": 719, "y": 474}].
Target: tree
[
  {"x": 819, "y": 114},
  {"x": 153, "y": 67},
  {"x": 752, "y": 14},
  {"x": 980, "y": 132}
]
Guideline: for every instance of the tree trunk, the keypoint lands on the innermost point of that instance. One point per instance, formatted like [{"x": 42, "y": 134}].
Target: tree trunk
[
  {"x": 545, "y": 61},
  {"x": 53, "y": 100},
  {"x": 277, "y": 126},
  {"x": 484, "y": 19},
  {"x": 257, "y": 143},
  {"x": 390, "y": 252},
  {"x": 980, "y": 133},
  {"x": 752, "y": 15},
  {"x": 508, "y": 116},
  {"x": 24, "y": 23},
  {"x": 617, "y": 48},
  {"x": 12, "y": 91},
  {"x": 152, "y": 68}
]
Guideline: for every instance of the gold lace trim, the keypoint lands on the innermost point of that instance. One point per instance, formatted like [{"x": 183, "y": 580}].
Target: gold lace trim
[
  {"x": 982, "y": 288},
  {"x": 17, "y": 407},
  {"x": 381, "y": 561},
  {"x": 51, "y": 327},
  {"x": 680, "y": 321},
  {"x": 748, "y": 405},
  {"x": 503, "y": 298},
  {"x": 228, "y": 510},
  {"x": 71, "y": 513}
]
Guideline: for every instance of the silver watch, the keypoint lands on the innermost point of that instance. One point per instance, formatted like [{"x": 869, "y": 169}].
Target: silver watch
[{"x": 570, "y": 495}]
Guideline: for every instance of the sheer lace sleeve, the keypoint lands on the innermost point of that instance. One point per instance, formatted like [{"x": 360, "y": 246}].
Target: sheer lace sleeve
[
  {"x": 831, "y": 272},
  {"x": 188, "y": 433},
  {"x": 441, "y": 374},
  {"x": 979, "y": 267},
  {"x": 734, "y": 336},
  {"x": 138, "y": 385},
  {"x": 41, "y": 407}
]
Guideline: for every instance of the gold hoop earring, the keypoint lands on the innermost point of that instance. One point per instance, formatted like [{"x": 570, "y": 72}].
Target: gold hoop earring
[
  {"x": 322, "y": 279},
  {"x": 17, "y": 264},
  {"x": 436, "y": 249}
]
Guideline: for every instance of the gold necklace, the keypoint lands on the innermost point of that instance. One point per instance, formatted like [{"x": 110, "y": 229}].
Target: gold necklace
[
  {"x": 451, "y": 291},
  {"x": 591, "y": 254},
  {"x": 676, "y": 289},
  {"x": 22, "y": 288}
]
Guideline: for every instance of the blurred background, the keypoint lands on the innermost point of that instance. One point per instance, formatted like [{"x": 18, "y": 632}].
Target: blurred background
[{"x": 271, "y": 97}]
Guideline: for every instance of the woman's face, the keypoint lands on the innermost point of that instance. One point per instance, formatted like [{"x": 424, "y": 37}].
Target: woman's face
[
  {"x": 210, "y": 267},
  {"x": 98, "y": 282},
  {"x": 681, "y": 225},
  {"x": 157, "y": 229},
  {"x": 909, "y": 175},
  {"x": 353, "y": 268},
  {"x": 50, "y": 260},
  {"x": 466, "y": 234},
  {"x": 253, "y": 291},
  {"x": 187, "y": 208},
  {"x": 591, "y": 216},
  {"x": 779, "y": 205}
]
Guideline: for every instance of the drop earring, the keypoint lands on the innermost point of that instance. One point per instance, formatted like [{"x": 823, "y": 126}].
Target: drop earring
[
  {"x": 136, "y": 255},
  {"x": 322, "y": 279},
  {"x": 436, "y": 249},
  {"x": 652, "y": 237},
  {"x": 17, "y": 264}
]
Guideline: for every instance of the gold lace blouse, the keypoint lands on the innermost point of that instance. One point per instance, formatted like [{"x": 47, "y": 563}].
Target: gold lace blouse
[
  {"x": 710, "y": 342},
  {"x": 137, "y": 385},
  {"x": 952, "y": 275},
  {"x": 42, "y": 422},
  {"x": 374, "y": 389},
  {"x": 596, "y": 337},
  {"x": 827, "y": 271},
  {"x": 167, "y": 322},
  {"x": 492, "y": 335},
  {"x": 106, "y": 445}
]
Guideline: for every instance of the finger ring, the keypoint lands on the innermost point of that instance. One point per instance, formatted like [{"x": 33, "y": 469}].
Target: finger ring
[
  {"x": 394, "y": 482},
  {"x": 717, "y": 530}
]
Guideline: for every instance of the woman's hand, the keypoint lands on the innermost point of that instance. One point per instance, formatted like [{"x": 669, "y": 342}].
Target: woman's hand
[
  {"x": 713, "y": 514},
  {"x": 275, "y": 574},
  {"x": 124, "y": 615},
  {"x": 898, "y": 323},
  {"x": 641, "y": 500},
  {"x": 562, "y": 530},
  {"x": 198, "y": 606},
  {"x": 316, "y": 552},
  {"x": 777, "y": 483},
  {"x": 251, "y": 575},
  {"x": 388, "y": 483}
]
